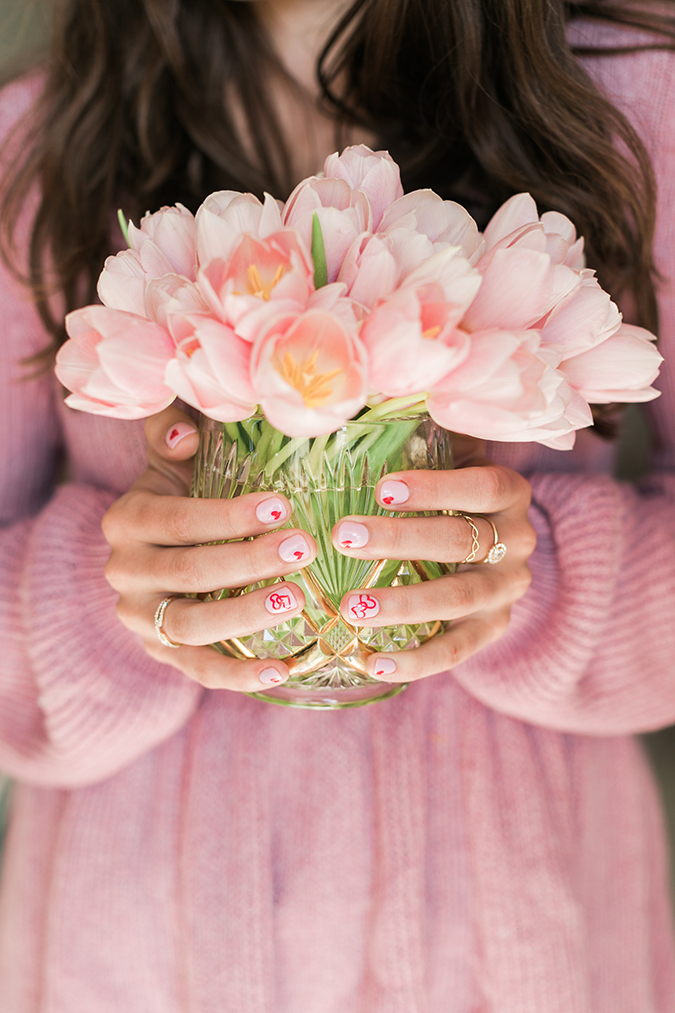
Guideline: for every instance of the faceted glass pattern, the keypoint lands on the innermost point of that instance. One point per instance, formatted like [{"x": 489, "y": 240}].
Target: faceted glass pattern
[{"x": 325, "y": 479}]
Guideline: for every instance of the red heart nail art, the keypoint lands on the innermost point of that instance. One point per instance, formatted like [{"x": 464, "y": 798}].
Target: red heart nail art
[
  {"x": 298, "y": 555},
  {"x": 276, "y": 514},
  {"x": 174, "y": 434},
  {"x": 388, "y": 499}
]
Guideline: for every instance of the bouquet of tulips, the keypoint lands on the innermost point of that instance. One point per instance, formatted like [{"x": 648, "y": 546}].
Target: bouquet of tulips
[
  {"x": 335, "y": 338},
  {"x": 354, "y": 299}
]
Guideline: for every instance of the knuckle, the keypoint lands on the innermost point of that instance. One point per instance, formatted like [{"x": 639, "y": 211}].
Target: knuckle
[
  {"x": 125, "y": 613},
  {"x": 493, "y": 488},
  {"x": 114, "y": 572},
  {"x": 524, "y": 579},
  {"x": 183, "y": 570},
  {"x": 110, "y": 522},
  {"x": 501, "y": 622},
  {"x": 464, "y": 596},
  {"x": 180, "y": 521},
  {"x": 454, "y": 653},
  {"x": 529, "y": 540}
]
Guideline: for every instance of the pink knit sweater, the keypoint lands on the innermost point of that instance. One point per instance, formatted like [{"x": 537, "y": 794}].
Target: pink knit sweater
[{"x": 487, "y": 842}]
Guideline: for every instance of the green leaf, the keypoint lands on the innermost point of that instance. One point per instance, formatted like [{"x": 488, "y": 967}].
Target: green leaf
[
  {"x": 123, "y": 225},
  {"x": 319, "y": 254}
]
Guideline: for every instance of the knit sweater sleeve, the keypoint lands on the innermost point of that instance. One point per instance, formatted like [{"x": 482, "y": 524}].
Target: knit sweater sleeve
[
  {"x": 79, "y": 697},
  {"x": 591, "y": 647}
]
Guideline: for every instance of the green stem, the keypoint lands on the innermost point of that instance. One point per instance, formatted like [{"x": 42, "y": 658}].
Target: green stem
[
  {"x": 282, "y": 455},
  {"x": 413, "y": 405}
]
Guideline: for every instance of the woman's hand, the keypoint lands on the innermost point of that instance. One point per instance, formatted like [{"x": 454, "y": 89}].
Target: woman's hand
[
  {"x": 477, "y": 599},
  {"x": 156, "y": 533}
]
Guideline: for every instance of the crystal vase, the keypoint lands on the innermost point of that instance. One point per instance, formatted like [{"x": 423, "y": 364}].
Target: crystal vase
[{"x": 324, "y": 478}]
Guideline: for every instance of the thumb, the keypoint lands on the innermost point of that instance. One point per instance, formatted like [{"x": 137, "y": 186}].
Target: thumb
[{"x": 172, "y": 439}]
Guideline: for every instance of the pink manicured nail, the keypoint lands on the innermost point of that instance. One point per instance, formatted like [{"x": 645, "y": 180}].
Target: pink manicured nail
[
  {"x": 271, "y": 677},
  {"x": 294, "y": 549},
  {"x": 280, "y": 601},
  {"x": 392, "y": 493},
  {"x": 351, "y": 535},
  {"x": 384, "y": 666},
  {"x": 271, "y": 510},
  {"x": 178, "y": 433},
  {"x": 362, "y": 606}
]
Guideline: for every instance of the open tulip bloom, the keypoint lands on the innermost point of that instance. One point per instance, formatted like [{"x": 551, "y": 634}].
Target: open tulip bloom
[{"x": 355, "y": 300}]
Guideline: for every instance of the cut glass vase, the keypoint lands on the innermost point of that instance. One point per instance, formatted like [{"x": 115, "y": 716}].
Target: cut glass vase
[{"x": 325, "y": 478}]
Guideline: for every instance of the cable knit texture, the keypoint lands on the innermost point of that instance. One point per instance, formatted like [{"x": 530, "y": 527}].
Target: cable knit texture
[{"x": 487, "y": 842}]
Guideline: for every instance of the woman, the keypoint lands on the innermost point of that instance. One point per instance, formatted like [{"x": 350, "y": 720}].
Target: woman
[{"x": 489, "y": 840}]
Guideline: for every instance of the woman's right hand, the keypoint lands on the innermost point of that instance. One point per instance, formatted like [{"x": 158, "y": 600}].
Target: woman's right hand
[{"x": 157, "y": 533}]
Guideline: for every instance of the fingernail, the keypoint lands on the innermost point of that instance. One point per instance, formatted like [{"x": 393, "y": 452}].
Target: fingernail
[
  {"x": 392, "y": 493},
  {"x": 280, "y": 601},
  {"x": 351, "y": 535},
  {"x": 362, "y": 606},
  {"x": 271, "y": 510},
  {"x": 271, "y": 677},
  {"x": 384, "y": 666},
  {"x": 178, "y": 433},
  {"x": 294, "y": 549}
]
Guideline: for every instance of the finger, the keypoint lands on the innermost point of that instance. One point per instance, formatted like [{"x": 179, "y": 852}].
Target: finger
[
  {"x": 203, "y": 568},
  {"x": 172, "y": 441},
  {"x": 482, "y": 489},
  {"x": 143, "y": 516},
  {"x": 195, "y": 623},
  {"x": 443, "y": 539},
  {"x": 443, "y": 652},
  {"x": 444, "y": 598},
  {"x": 216, "y": 671}
]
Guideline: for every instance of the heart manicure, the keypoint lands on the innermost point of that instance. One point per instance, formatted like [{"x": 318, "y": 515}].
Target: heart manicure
[
  {"x": 294, "y": 549},
  {"x": 392, "y": 493},
  {"x": 362, "y": 606},
  {"x": 351, "y": 535},
  {"x": 270, "y": 510}
]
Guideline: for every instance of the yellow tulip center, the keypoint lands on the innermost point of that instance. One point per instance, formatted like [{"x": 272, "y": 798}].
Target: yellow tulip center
[
  {"x": 431, "y": 332},
  {"x": 314, "y": 388},
  {"x": 260, "y": 288}
]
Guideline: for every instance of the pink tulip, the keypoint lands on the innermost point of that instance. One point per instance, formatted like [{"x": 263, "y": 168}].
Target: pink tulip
[
  {"x": 343, "y": 214},
  {"x": 442, "y": 221},
  {"x": 166, "y": 237},
  {"x": 225, "y": 216},
  {"x": 506, "y": 391},
  {"x": 622, "y": 368},
  {"x": 520, "y": 287},
  {"x": 374, "y": 172},
  {"x": 518, "y": 217},
  {"x": 121, "y": 284},
  {"x": 581, "y": 322},
  {"x": 172, "y": 296},
  {"x": 211, "y": 368},
  {"x": 412, "y": 340},
  {"x": 309, "y": 372},
  {"x": 262, "y": 277},
  {"x": 375, "y": 265},
  {"x": 114, "y": 363}
]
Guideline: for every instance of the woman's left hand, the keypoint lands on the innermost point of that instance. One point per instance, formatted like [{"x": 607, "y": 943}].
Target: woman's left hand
[{"x": 478, "y": 598}]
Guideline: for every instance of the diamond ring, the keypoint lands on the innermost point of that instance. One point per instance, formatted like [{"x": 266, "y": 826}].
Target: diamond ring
[
  {"x": 159, "y": 619},
  {"x": 498, "y": 550}
]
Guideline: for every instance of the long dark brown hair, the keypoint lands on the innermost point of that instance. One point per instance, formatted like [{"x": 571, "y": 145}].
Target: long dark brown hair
[{"x": 478, "y": 99}]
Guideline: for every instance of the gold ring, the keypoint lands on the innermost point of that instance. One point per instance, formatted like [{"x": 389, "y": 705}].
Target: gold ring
[
  {"x": 498, "y": 550},
  {"x": 159, "y": 619},
  {"x": 475, "y": 538}
]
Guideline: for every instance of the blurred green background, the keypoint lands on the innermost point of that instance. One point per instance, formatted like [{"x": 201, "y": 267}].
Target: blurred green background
[{"x": 24, "y": 29}]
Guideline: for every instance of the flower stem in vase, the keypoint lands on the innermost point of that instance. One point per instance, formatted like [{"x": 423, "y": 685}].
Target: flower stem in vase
[{"x": 325, "y": 478}]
